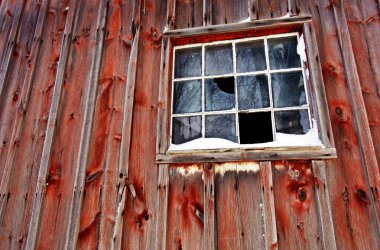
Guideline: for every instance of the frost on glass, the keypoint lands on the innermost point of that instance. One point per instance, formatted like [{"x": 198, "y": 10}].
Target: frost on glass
[
  {"x": 292, "y": 121},
  {"x": 218, "y": 59},
  {"x": 219, "y": 93},
  {"x": 250, "y": 56},
  {"x": 221, "y": 126},
  {"x": 283, "y": 53},
  {"x": 255, "y": 127},
  {"x": 188, "y": 62},
  {"x": 186, "y": 129},
  {"x": 253, "y": 92},
  {"x": 288, "y": 89},
  {"x": 187, "y": 97}
]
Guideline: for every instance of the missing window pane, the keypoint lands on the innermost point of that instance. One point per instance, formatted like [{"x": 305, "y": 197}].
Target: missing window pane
[
  {"x": 219, "y": 59},
  {"x": 186, "y": 129},
  {"x": 250, "y": 56},
  {"x": 255, "y": 127},
  {"x": 253, "y": 92},
  {"x": 188, "y": 62},
  {"x": 288, "y": 89},
  {"x": 220, "y": 93},
  {"x": 292, "y": 122},
  {"x": 187, "y": 97},
  {"x": 283, "y": 53},
  {"x": 221, "y": 126}
]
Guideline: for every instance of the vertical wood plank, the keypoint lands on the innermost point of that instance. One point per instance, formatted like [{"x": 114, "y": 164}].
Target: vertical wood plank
[
  {"x": 209, "y": 207},
  {"x": 188, "y": 14},
  {"x": 11, "y": 44},
  {"x": 253, "y": 9},
  {"x": 76, "y": 204},
  {"x": 185, "y": 208},
  {"x": 271, "y": 241},
  {"x": 38, "y": 201},
  {"x": 360, "y": 113},
  {"x": 296, "y": 214},
  {"x": 229, "y": 11},
  {"x": 207, "y": 12},
  {"x": 323, "y": 205},
  {"x": 162, "y": 211}
]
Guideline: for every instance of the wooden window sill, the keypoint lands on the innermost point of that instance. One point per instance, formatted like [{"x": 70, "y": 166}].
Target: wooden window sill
[{"x": 237, "y": 155}]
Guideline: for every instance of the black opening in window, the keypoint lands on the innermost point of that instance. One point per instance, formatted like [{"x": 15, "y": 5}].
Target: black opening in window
[{"x": 255, "y": 127}]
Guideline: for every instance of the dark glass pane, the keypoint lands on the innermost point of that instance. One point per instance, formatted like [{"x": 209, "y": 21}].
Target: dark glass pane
[
  {"x": 288, "y": 89},
  {"x": 253, "y": 92},
  {"x": 219, "y": 59},
  {"x": 221, "y": 126},
  {"x": 188, "y": 62},
  {"x": 255, "y": 127},
  {"x": 186, "y": 129},
  {"x": 220, "y": 93},
  {"x": 187, "y": 97},
  {"x": 283, "y": 53},
  {"x": 250, "y": 56},
  {"x": 292, "y": 121}
]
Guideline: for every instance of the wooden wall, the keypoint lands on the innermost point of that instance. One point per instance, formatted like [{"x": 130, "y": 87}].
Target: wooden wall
[{"x": 79, "y": 98}]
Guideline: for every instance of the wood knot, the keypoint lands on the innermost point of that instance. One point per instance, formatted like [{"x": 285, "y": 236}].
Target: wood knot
[
  {"x": 362, "y": 196},
  {"x": 302, "y": 194}
]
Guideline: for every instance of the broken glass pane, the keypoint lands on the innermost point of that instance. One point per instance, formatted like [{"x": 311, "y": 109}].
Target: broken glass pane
[
  {"x": 220, "y": 93},
  {"x": 187, "y": 97},
  {"x": 255, "y": 127},
  {"x": 253, "y": 92},
  {"x": 250, "y": 56},
  {"x": 186, "y": 129},
  {"x": 188, "y": 62},
  {"x": 288, "y": 89},
  {"x": 283, "y": 53},
  {"x": 219, "y": 59},
  {"x": 221, "y": 126},
  {"x": 292, "y": 121}
]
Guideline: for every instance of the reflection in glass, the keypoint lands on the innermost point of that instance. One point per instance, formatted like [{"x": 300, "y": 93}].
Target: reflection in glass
[
  {"x": 220, "y": 93},
  {"x": 283, "y": 53},
  {"x": 188, "y": 62},
  {"x": 187, "y": 97},
  {"x": 292, "y": 121},
  {"x": 250, "y": 56},
  {"x": 186, "y": 129},
  {"x": 253, "y": 92},
  {"x": 218, "y": 59},
  {"x": 221, "y": 126},
  {"x": 288, "y": 89}
]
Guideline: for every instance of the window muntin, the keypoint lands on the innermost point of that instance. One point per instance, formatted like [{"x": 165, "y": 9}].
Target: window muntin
[{"x": 239, "y": 82}]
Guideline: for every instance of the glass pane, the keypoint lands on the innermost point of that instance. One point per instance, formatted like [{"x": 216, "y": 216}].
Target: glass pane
[
  {"x": 253, "y": 92},
  {"x": 288, "y": 89},
  {"x": 220, "y": 93},
  {"x": 221, "y": 126},
  {"x": 292, "y": 122},
  {"x": 283, "y": 53},
  {"x": 186, "y": 129},
  {"x": 250, "y": 56},
  {"x": 187, "y": 97},
  {"x": 188, "y": 62},
  {"x": 219, "y": 59},
  {"x": 255, "y": 127}
]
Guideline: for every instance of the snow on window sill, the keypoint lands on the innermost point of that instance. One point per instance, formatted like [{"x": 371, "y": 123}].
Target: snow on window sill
[{"x": 310, "y": 139}]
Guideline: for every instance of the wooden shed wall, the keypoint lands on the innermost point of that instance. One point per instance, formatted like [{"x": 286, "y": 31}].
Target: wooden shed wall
[{"x": 79, "y": 98}]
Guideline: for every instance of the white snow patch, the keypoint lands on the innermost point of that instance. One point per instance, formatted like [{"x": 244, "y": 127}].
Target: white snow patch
[
  {"x": 287, "y": 15},
  {"x": 301, "y": 51},
  {"x": 166, "y": 28},
  {"x": 282, "y": 140},
  {"x": 245, "y": 20},
  {"x": 189, "y": 170},
  {"x": 233, "y": 167}
]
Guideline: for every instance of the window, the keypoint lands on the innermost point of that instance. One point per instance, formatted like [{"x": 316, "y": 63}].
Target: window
[
  {"x": 245, "y": 91},
  {"x": 248, "y": 92}
]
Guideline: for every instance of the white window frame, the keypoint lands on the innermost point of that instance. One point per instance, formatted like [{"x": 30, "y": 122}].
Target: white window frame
[{"x": 235, "y": 74}]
